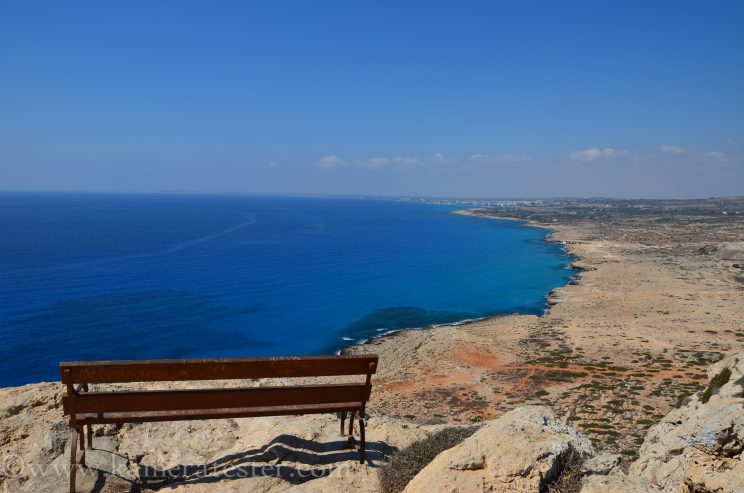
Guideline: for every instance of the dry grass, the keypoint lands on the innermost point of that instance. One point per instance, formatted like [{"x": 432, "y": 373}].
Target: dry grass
[{"x": 569, "y": 478}]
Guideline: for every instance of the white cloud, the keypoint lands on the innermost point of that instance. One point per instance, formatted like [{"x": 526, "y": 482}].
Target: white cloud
[
  {"x": 330, "y": 162},
  {"x": 672, "y": 149},
  {"x": 594, "y": 154},
  {"x": 716, "y": 155}
]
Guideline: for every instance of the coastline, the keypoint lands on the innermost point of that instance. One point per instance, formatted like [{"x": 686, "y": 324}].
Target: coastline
[
  {"x": 623, "y": 348},
  {"x": 608, "y": 355},
  {"x": 478, "y": 212},
  {"x": 549, "y": 296}
]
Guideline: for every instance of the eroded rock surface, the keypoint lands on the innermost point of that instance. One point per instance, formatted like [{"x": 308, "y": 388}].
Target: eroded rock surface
[
  {"x": 304, "y": 453},
  {"x": 522, "y": 451},
  {"x": 696, "y": 448}
]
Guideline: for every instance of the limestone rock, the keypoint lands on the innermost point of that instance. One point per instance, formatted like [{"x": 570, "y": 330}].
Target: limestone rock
[
  {"x": 695, "y": 448},
  {"x": 601, "y": 465},
  {"x": 699, "y": 445},
  {"x": 301, "y": 453},
  {"x": 519, "y": 452}
]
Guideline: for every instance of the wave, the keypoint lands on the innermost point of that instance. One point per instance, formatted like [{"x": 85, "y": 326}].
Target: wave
[
  {"x": 143, "y": 255},
  {"x": 383, "y": 332},
  {"x": 459, "y": 322},
  {"x": 186, "y": 244}
]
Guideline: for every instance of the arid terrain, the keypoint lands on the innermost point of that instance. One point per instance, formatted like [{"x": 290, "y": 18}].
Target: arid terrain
[{"x": 658, "y": 296}]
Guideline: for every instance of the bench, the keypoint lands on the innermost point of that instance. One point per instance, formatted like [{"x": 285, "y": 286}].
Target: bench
[{"x": 87, "y": 407}]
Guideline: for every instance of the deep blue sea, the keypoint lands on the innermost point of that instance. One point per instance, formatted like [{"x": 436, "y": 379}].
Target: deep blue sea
[{"x": 94, "y": 276}]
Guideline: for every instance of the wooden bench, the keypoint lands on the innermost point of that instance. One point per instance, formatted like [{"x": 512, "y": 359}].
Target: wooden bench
[{"x": 86, "y": 407}]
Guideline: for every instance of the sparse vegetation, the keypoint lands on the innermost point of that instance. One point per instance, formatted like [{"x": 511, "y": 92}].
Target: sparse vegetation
[
  {"x": 404, "y": 465},
  {"x": 569, "y": 477}
]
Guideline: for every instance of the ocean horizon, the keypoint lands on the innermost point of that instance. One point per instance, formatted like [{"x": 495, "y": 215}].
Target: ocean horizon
[{"x": 149, "y": 276}]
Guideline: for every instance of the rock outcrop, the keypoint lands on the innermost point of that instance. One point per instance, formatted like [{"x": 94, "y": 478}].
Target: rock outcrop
[
  {"x": 522, "y": 451},
  {"x": 697, "y": 448},
  {"x": 300, "y": 454}
]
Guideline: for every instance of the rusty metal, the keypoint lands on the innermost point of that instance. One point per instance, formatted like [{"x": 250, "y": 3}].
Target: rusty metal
[
  {"x": 86, "y": 408},
  {"x": 217, "y": 369}
]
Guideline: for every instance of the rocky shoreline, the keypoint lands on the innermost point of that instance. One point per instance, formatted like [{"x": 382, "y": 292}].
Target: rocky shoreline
[
  {"x": 551, "y": 298},
  {"x": 621, "y": 344}
]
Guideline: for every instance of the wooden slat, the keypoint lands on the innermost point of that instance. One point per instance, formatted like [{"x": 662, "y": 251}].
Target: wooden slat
[
  {"x": 172, "y": 400},
  {"x": 215, "y": 369},
  {"x": 152, "y": 416}
]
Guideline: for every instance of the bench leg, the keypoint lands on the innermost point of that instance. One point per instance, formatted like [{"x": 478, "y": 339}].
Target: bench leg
[
  {"x": 73, "y": 459},
  {"x": 361, "y": 438},
  {"x": 81, "y": 433},
  {"x": 343, "y": 422},
  {"x": 90, "y": 436},
  {"x": 351, "y": 429}
]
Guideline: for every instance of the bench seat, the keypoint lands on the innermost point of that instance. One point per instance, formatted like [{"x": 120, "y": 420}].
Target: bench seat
[{"x": 245, "y": 412}]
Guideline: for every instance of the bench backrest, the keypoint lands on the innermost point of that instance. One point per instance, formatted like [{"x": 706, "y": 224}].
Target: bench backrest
[{"x": 81, "y": 374}]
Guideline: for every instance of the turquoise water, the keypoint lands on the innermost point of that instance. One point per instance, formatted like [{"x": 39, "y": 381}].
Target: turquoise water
[{"x": 86, "y": 276}]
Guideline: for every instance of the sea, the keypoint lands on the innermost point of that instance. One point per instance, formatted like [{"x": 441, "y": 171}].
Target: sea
[{"x": 149, "y": 276}]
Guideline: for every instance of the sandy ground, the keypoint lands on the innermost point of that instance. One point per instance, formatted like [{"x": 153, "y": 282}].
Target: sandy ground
[{"x": 632, "y": 336}]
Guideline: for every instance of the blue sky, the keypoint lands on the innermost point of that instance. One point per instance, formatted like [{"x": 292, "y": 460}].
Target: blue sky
[{"x": 461, "y": 98}]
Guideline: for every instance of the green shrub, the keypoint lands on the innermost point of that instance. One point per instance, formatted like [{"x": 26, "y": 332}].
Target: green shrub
[
  {"x": 716, "y": 383},
  {"x": 404, "y": 465}
]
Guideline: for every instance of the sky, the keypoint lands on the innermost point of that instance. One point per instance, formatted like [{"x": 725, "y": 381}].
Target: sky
[{"x": 459, "y": 98}]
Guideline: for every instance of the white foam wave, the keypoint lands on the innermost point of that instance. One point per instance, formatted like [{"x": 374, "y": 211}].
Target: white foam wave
[{"x": 459, "y": 322}]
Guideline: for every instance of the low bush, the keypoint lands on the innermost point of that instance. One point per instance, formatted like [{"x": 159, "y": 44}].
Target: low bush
[
  {"x": 569, "y": 478},
  {"x": 404, "y": 465}
]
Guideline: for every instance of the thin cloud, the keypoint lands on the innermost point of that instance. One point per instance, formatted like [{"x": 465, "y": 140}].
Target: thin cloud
[
  {"x": 593, "y": 154},
  {"x": 406, "y": 160},
  {"x": 716, "y": 155},
  {"x": 376, "y": 162},
  {"x": 330, "y": 162},
  {"x": 500, "y": 158},
  {"x": 673, "y": 149}
]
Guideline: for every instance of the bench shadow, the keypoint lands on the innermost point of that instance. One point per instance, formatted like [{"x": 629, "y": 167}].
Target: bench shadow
[{"x": 305, "y": 459}]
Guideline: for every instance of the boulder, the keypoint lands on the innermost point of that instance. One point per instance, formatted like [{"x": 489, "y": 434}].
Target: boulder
[{"x": 522, "y": 451}]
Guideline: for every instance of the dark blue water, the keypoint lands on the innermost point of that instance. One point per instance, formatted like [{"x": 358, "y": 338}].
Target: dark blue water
[{"x": 85, "y": 276}]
